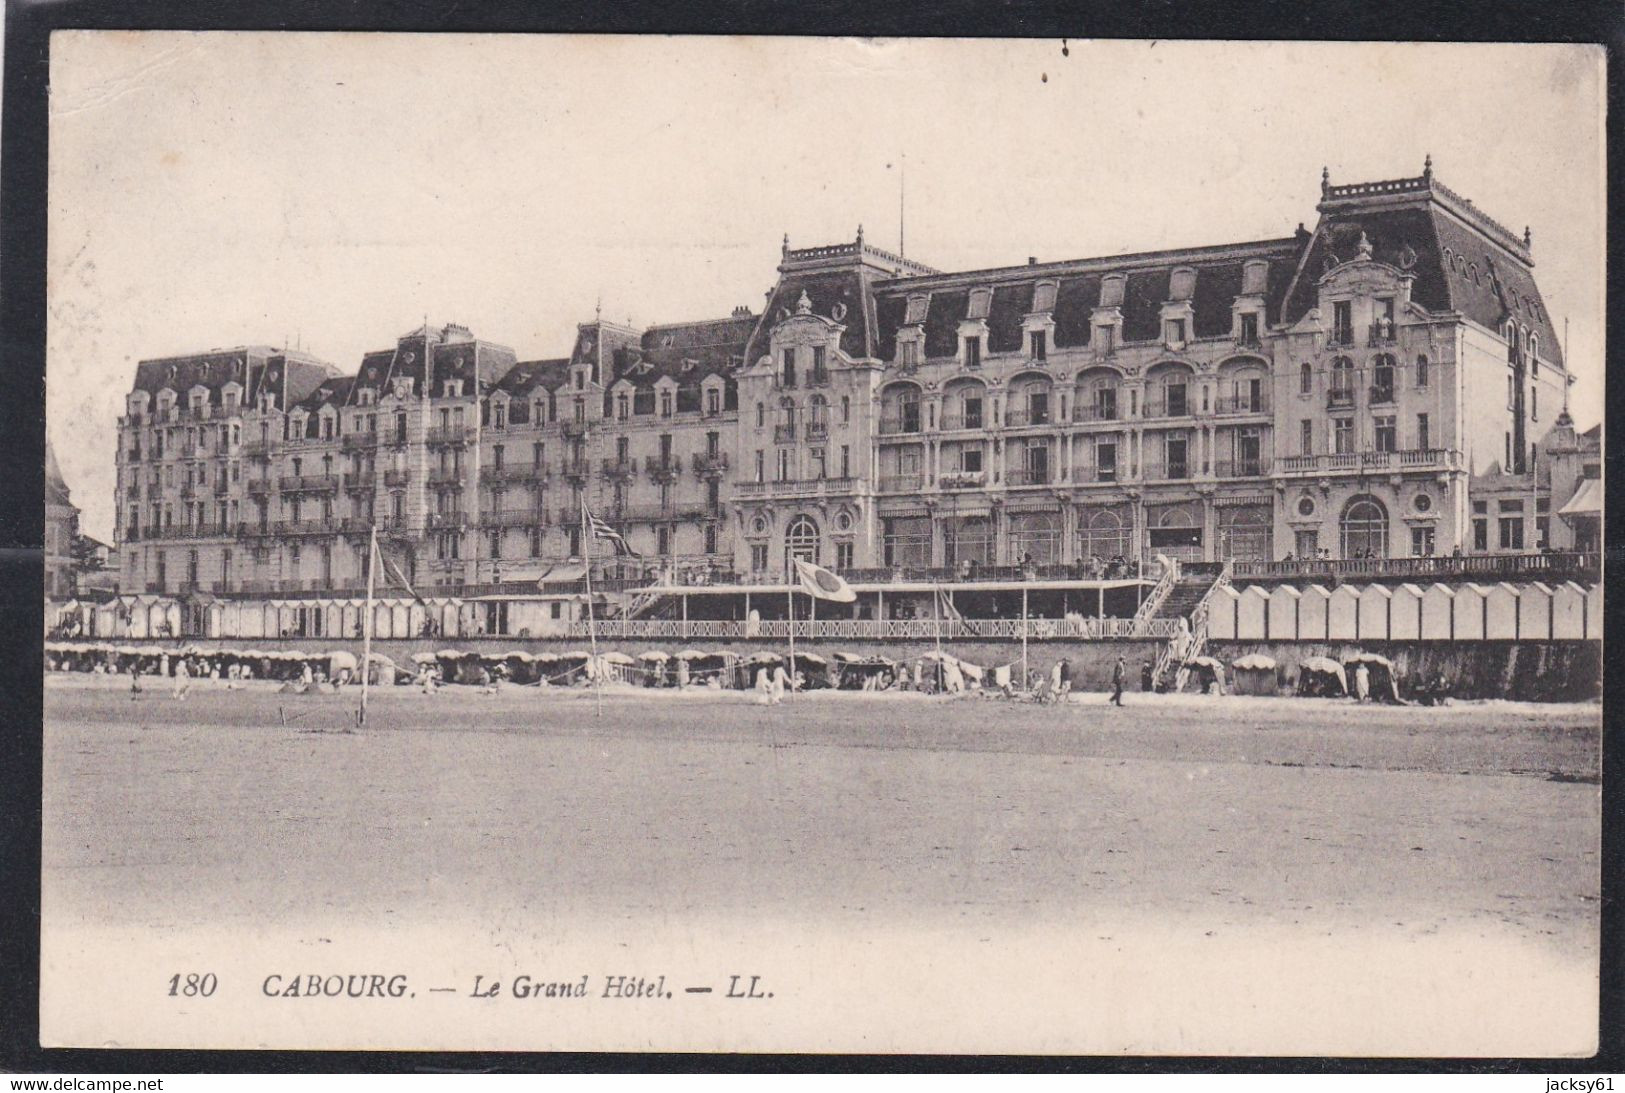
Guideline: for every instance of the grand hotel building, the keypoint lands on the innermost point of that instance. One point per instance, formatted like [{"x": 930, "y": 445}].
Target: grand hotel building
[{"x": 1389, "y": 383}]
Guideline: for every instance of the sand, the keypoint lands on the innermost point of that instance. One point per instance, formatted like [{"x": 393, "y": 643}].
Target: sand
[{"x": 1375, "y": 850}]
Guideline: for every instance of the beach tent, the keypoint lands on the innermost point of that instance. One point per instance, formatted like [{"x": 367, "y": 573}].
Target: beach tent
[
  {"x": 1384, "y": 680},
  {"x": 1254, "y": 674},
  {"x": 1209, "y": 670},
  {"x": 340, "y": 660},
  {"x": 1322, "y": 677}
]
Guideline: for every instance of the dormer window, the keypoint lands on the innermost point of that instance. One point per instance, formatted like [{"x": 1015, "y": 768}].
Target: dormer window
[
  {"x": 499, "y": 415},
  {"x": 1106, "y": 338},
  {"x": 908, "y": 353},
  {"x": 917, "y": 307},
  {"x": 623, "y": 407},
  {"x": 1249, "y": 328},
  {"x": 1038, "y": 342},
  {"x": 1044, "y": 296},
  {"x": 973, "y": 352},
  {"x": 981, "y": 300},
  {"x": 1173, "y": 331},
  {"x": 666, "y": 403},
  {"x": 713, "y": 402},
  {"x": 1534, "y": 356}
]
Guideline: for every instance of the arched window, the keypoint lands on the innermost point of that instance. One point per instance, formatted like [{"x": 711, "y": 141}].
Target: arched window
[
  {"x": 1382, "y": 378},
  {"x": 1035, "y": 537},
  {"x": 800, "y": 541},
  {"x": 1365, "y": 528},
  {"x": 1105, "y": 533},
  {"x": 1343, "y": 375},
  {"x": 1306, "y": 378},
  {"x": 818, "y": 412}
]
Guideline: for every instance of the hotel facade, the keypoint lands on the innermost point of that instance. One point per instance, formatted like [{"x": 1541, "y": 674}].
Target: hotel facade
[{"x": 1388, "y": 384}]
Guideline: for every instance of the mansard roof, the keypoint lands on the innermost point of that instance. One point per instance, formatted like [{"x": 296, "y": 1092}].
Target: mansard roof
[
  {"x": 525, "y": 378},
  {"x": 1460, "y": 259},
  {"x": 1147, "y": 280},
  {"x": 686, "y": 352}
]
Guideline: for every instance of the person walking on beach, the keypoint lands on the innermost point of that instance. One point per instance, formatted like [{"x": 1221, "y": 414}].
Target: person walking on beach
[
  {"x": 1065, "y": 688},
  {"x": 1117, "y": 682},
  {"x": 183, "y": 679},
  {"x": 135, "y": 680},
  {"x": 1362, "y": 683}
]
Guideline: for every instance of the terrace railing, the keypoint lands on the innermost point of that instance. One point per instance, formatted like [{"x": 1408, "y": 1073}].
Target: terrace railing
[
  {"x": 1496, "y": 567},
  {"x": 1074, "y": 629}
]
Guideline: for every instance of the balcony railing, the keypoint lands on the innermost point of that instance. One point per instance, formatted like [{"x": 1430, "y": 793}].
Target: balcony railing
[
  {"x": 394, "y": 477},
  {"x": 1413, "y": 458},
  {"x": 783, "y": 434},
  {"x": 514, "y": 518},
  {"x": 1093, "y": 472},
  {"x": 1340, "y": 335},
  {"x": 1094, "y": 411},
  {"x": 449, "y": 434},
  {"x": 1035, "y": 629},
  {"x": 799, "y": 486},
  {"x": 212, "y": 530},
  {"x": 1381, "y": 395},
  {"x": 620, "y": 468},
  {"x": 893, "y": 425},
  {"x": 329, "y": 526},
  {"x": 577, "y": 428},
  {"x": 1028, "y": 476},
  {"x": 355, "y": 442},
  {"x": 1242, "y": 404},
  {"x": 1168, "y": 408},
  {"x": 962, "y": 480},
  {"x": 516, "y": 472},
  {"x": 817, "y": 430},
  {"x": 1165, "y": 472},
  {"x": 955, "y": 422},
  {"x": 1380, "y": 332},
  {"x": 309, "y": 482},
  {"x": 256, "y": 449},
  {"x": 222, "y": 486},
  {"x": 447, "y": 521},
  {"x": 1340, "y": 398},
  {"x": 1020, "y": 416},
  {"x": 259, "y": 486},
  {"x": 575, "y": 468},
  {"x": 707, "y": 464},
  {"x": 901, "y": 483},
  {"x": 1555, "y": 566},
  {"x": 662, "y": 468},
  {"x": 1242, "y": 468}
]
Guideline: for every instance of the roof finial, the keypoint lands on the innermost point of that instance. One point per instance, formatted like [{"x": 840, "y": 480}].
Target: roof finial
[
  {"x": 1427, "y": 167},
  {"x": 598, "y": 308},
  {"x": 1325, "y": 180},
  {"x": 1365, "y": 247},
  {"x": 784, "y": 248},
  {"x": 1528, "y": 238},
  {"x": 860, "y": 236}
]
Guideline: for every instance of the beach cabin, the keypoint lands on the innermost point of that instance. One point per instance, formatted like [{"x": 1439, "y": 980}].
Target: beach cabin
[
  {"x": 1438, "y": 613},
  {"x": 1375, "y": 601},
  {"x": 1534, "y": 612},
  {"x": 1501, "y": 612},
  {"x": 1568, "y": 612},
  {"x": 1283, "y": 613},
  {"x": 1312, "y": 606},
  {"x": 1343, "y": 614},
  {"x": 1467, "y": 613},
  {"x": 1221, "y": 613},
  {"x": 1252, "y": 613},
  {"x": 1405, "y": 613}
]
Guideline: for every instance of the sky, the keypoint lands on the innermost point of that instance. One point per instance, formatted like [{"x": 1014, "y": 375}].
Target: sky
[{"x": 334, "y": 191}]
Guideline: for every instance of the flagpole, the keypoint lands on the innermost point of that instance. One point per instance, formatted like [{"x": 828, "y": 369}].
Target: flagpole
[
  {"x": 1023, "y": 637},
  {"x": 790, "y": 607},
  {"x": 936, "y": 623},
  {"x": 592, "y": 632},
  {"x": 366, "y": 626}
]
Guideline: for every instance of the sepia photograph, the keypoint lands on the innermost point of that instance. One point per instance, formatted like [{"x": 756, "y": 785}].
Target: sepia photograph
[{"x": 825, "y": 545}]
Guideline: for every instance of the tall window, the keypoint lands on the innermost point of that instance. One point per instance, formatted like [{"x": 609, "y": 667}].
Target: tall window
[
  {"x": 1306, "y": 437},
  {"x": 1342, "y": 376},
  {"x": 973, "y": 352},
  {"x": 820, "y": 373},
  {"x": 1306, "y": 378},
  {"x": 1343, "y": 435},
  {"x": 1384, "y": 434},
  {"x": 1422, "y": 371},
  {"x": 1039, "y": 345},
  {"x": 1364, "y": 528},
  {"x": 1382, "y": 378},
  {"x": 801, "y": 541},
  {"x": 1343, "y": 323},
  {"x": 787, "y": 373},
  {"x": 1422, "y": 438}
]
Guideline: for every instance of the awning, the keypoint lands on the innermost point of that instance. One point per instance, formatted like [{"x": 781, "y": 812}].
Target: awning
[
  {"x": 1587, "y": 499},
  {"x": 560, "y": 574}
]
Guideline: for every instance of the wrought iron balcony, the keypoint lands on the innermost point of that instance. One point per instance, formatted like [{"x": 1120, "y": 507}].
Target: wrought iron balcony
[
  {"x": 1379, "y": 395},
  {"x": 783, "y": 434},
  {"x": 309, "y": 483},
  {"x": 620, "y": 468},
  {"x": 1242, "y": 468},
  {"x": 1340, "y": 398},
  {"x": 817, "y": 430},
  {"x": 1166, "y": 472},
  {"x": 514, "y": 518},
  {"x": 1094, "y": 411},
  {"x": 1028, "y": 476},
  {"x": 355, "y": 442},
  {"x": 709, "y": 465},
  {"x": 575, "y": 468},
  {"x": 394, "y": 477},
  {"x": 1242, "y": 404},
  {"x": 952, "y": 423},
  {"x": 663, "y": 468},
  {"x": 901, "y": 483},
  {"x": 890, "y": 426},
  {"x": 1019, "y": 416},
  {"x": 454, "y": 435},
  {"x": 445, "y": 476},
  {"x": 1381, "y": 332}
]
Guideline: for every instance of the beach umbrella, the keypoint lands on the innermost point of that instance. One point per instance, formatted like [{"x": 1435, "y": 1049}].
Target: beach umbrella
[
  {"x": 811, "y": 658},
  {"x": 1371, "y": 658},
  {"x": 423, "y": 658},
  {"x": 575, "y": 654},
  {"x": 1322, "y": 664},
  {"x": 339, "y": 660},
  {"x": 451, "y": 654},
  {"x": 1205, "y": 662},
  {"x": 546, "y": 657},
  {"x": 616, "y": 657},
  {"x": 517, "y": 654},
  {"x": 846, "y": 656},
  {"x": 1254, "y": 662},
  {"x": 653, "y": 654},
  {"x": 691, "y": 654}
]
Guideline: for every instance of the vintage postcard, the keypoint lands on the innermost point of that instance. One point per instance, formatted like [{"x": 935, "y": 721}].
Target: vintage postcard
[{"x": 823, "y": 545}]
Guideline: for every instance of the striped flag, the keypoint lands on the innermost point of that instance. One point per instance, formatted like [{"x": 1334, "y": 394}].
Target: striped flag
[
  {"x": 821, "y": 583},
  {"x": 600, "y": 530}
]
